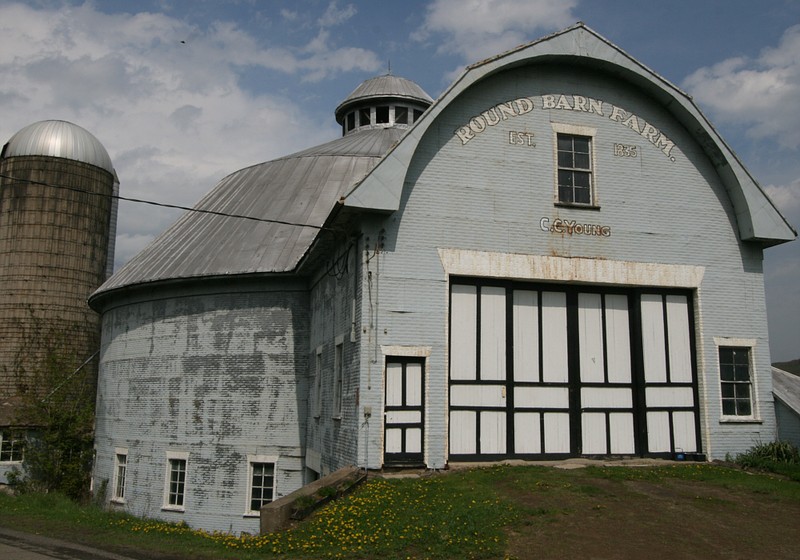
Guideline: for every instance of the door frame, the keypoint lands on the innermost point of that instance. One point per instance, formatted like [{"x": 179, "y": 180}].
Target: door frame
[{"x": 404, "y": 458}]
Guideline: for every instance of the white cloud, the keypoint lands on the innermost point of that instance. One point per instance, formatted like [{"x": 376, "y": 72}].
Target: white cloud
[
  {"x": 162, "y": 96},
  {"x": 475, "y": 29},
  {"x": 761, "y": 93},
  {"x": 334, "y": 16},
  {"x": 786, "y": 197}
]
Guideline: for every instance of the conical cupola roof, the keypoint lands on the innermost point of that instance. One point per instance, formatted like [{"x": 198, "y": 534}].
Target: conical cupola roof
[{"x": 386, "y": 87}]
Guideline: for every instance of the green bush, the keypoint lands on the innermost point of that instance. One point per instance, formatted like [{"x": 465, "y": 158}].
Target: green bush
[
  {"x": 57, "y": 391},
  {"x": 780, "y": 457},
  {"x": 776, "y": 451}
]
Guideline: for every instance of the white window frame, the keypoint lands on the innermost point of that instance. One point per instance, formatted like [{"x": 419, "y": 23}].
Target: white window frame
[
  {"x": 338, "y": 377},
  {"x": 120, "y": 472},
  {"x": 255, "y": 459},
  {"x": 11, "y": 442},
  {"x": 316, "y": 406},
  {"x": 750, "y": 345},
  {"x": 170, "y": 457},
  {"x": 576, "y": 130}
]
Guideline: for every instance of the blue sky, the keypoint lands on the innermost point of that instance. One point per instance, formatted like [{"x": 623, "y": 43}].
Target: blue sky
[{"x": 184, "y": 92}]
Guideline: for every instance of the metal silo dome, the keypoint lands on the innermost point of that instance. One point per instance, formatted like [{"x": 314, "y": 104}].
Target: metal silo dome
[{"x": 59, "y": 139}]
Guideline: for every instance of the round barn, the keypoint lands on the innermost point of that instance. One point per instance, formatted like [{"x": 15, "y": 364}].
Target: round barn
[{"x": 559, "y": 257}]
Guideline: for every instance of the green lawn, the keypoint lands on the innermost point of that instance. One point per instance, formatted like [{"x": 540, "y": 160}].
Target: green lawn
[{"x": 496, "y": 512}]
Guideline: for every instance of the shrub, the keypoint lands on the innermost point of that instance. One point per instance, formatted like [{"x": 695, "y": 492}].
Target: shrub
[
  {"x": 776, "y": 451},
  {"x": 778, "y": 456}
]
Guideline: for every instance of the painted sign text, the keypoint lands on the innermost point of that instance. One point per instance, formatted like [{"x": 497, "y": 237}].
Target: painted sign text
[
  {"x": 571, "y": 227},
  {"x": 561, "y": 102}
]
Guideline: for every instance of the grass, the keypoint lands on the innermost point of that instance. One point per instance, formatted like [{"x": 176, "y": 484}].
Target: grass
[{"x": 465, "y": 514}]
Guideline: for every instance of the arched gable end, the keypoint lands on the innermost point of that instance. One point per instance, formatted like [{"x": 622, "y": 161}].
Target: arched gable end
[{"x": 757, "y": 218}]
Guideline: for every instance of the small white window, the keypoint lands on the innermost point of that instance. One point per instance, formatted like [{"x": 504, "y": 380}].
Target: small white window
[
  {"x": 736, "y": 378},
  {"x": 736, "y": 382},
  {"x": 261, "y": 482},
  {"x": 337, "y": 377},
  {"x": 12, "y": 444},
  {"x": 317, "y": 403},
  {"x": 120, "y": 475},
  {"x": 175, "y": 481},
  {"x": 575, "y": 177}
]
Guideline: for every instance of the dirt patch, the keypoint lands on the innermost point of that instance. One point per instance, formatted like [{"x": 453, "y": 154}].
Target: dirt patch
[{"x": 607, "y": 519}]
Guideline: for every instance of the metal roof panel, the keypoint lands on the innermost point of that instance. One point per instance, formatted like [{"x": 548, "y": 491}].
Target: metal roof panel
[{"x": 289, "y": 198}]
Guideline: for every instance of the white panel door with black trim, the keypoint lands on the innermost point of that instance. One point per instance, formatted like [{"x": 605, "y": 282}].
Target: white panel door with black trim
[
  {"x": 669, "y": 380},
  {"x": 540, "y": 370},
  {"x": 404, "y": 412},
  {"x": 606, "y": 383}
]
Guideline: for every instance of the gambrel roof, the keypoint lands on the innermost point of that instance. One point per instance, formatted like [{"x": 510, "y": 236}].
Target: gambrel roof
[
  {"x": 366, "y": 171},
  {"x": 757, "y": 218}
]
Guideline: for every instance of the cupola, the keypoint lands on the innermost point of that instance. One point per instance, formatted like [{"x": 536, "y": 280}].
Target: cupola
[{"x": 381, "y": 102}]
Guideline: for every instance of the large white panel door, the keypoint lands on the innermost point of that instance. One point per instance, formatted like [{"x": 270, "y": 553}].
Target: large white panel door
[
  {"x": 606, "y": 388},
  {"x": 478, "y": 372},
  {"x": 509, "y": 372},
  {"x": 670, "y": 388},
  {"x": 538, "y": 370},
  {"x": 404, "y": 412},
  {"x": 540, "y": 409}
]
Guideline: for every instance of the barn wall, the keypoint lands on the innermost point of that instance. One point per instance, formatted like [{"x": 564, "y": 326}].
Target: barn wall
[
  {"x": 333, "y": 436},
  {"x": 493, "y": 195},
  {"x": 218, "y": 375}
]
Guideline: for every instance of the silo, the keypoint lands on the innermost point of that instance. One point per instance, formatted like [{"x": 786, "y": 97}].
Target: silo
[{"x": 57, "y": 216}]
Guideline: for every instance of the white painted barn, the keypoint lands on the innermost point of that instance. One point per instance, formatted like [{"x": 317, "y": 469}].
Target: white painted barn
[{"x": 559, "y": 257}]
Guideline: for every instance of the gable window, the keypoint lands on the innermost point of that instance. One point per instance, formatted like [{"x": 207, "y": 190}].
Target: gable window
[
  {"x": 261, "y": 490},
  {"x": 120, "y": 474},
  {"x": 11, "y": 446},
  {"x": 574, "y": 169},
  {"x": 736, "y": 381},
  {"x": 175, "y": 487}
]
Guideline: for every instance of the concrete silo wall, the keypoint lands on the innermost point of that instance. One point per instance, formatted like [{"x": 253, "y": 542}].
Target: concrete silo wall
[{"x": 54, "y": 226}]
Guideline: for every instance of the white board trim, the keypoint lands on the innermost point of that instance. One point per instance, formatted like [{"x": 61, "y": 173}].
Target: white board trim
[{"x": 464, "y": 262}]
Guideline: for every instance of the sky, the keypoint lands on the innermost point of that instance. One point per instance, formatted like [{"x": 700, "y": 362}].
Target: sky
[{"x": 184, "y": 92}]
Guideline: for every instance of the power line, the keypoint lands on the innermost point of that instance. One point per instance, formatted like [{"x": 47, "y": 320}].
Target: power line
[{"x": 165, "y": 205}]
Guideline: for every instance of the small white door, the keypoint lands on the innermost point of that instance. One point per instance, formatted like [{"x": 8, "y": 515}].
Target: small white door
[{"x": 404, "y": 412}]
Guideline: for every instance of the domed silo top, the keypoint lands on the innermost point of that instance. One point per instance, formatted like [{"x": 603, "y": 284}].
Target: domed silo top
[
  {"x": 380, "y": 102},
  {"x": 59, "y": 139}
]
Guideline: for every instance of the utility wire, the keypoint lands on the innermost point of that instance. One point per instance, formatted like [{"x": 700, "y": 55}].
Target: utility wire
[{"x": 165, "y": 205}]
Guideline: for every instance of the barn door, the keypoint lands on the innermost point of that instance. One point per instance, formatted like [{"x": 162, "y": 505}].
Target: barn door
[
  {"x": 556, "y": 371},
  {"x": 606, "y": 384},
  {"x": 404, "y": 412},
  {"x": 670, "y": 387}
]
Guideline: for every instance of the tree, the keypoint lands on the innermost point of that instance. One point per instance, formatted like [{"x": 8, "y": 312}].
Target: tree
[{"x": 56, "y": 391}]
